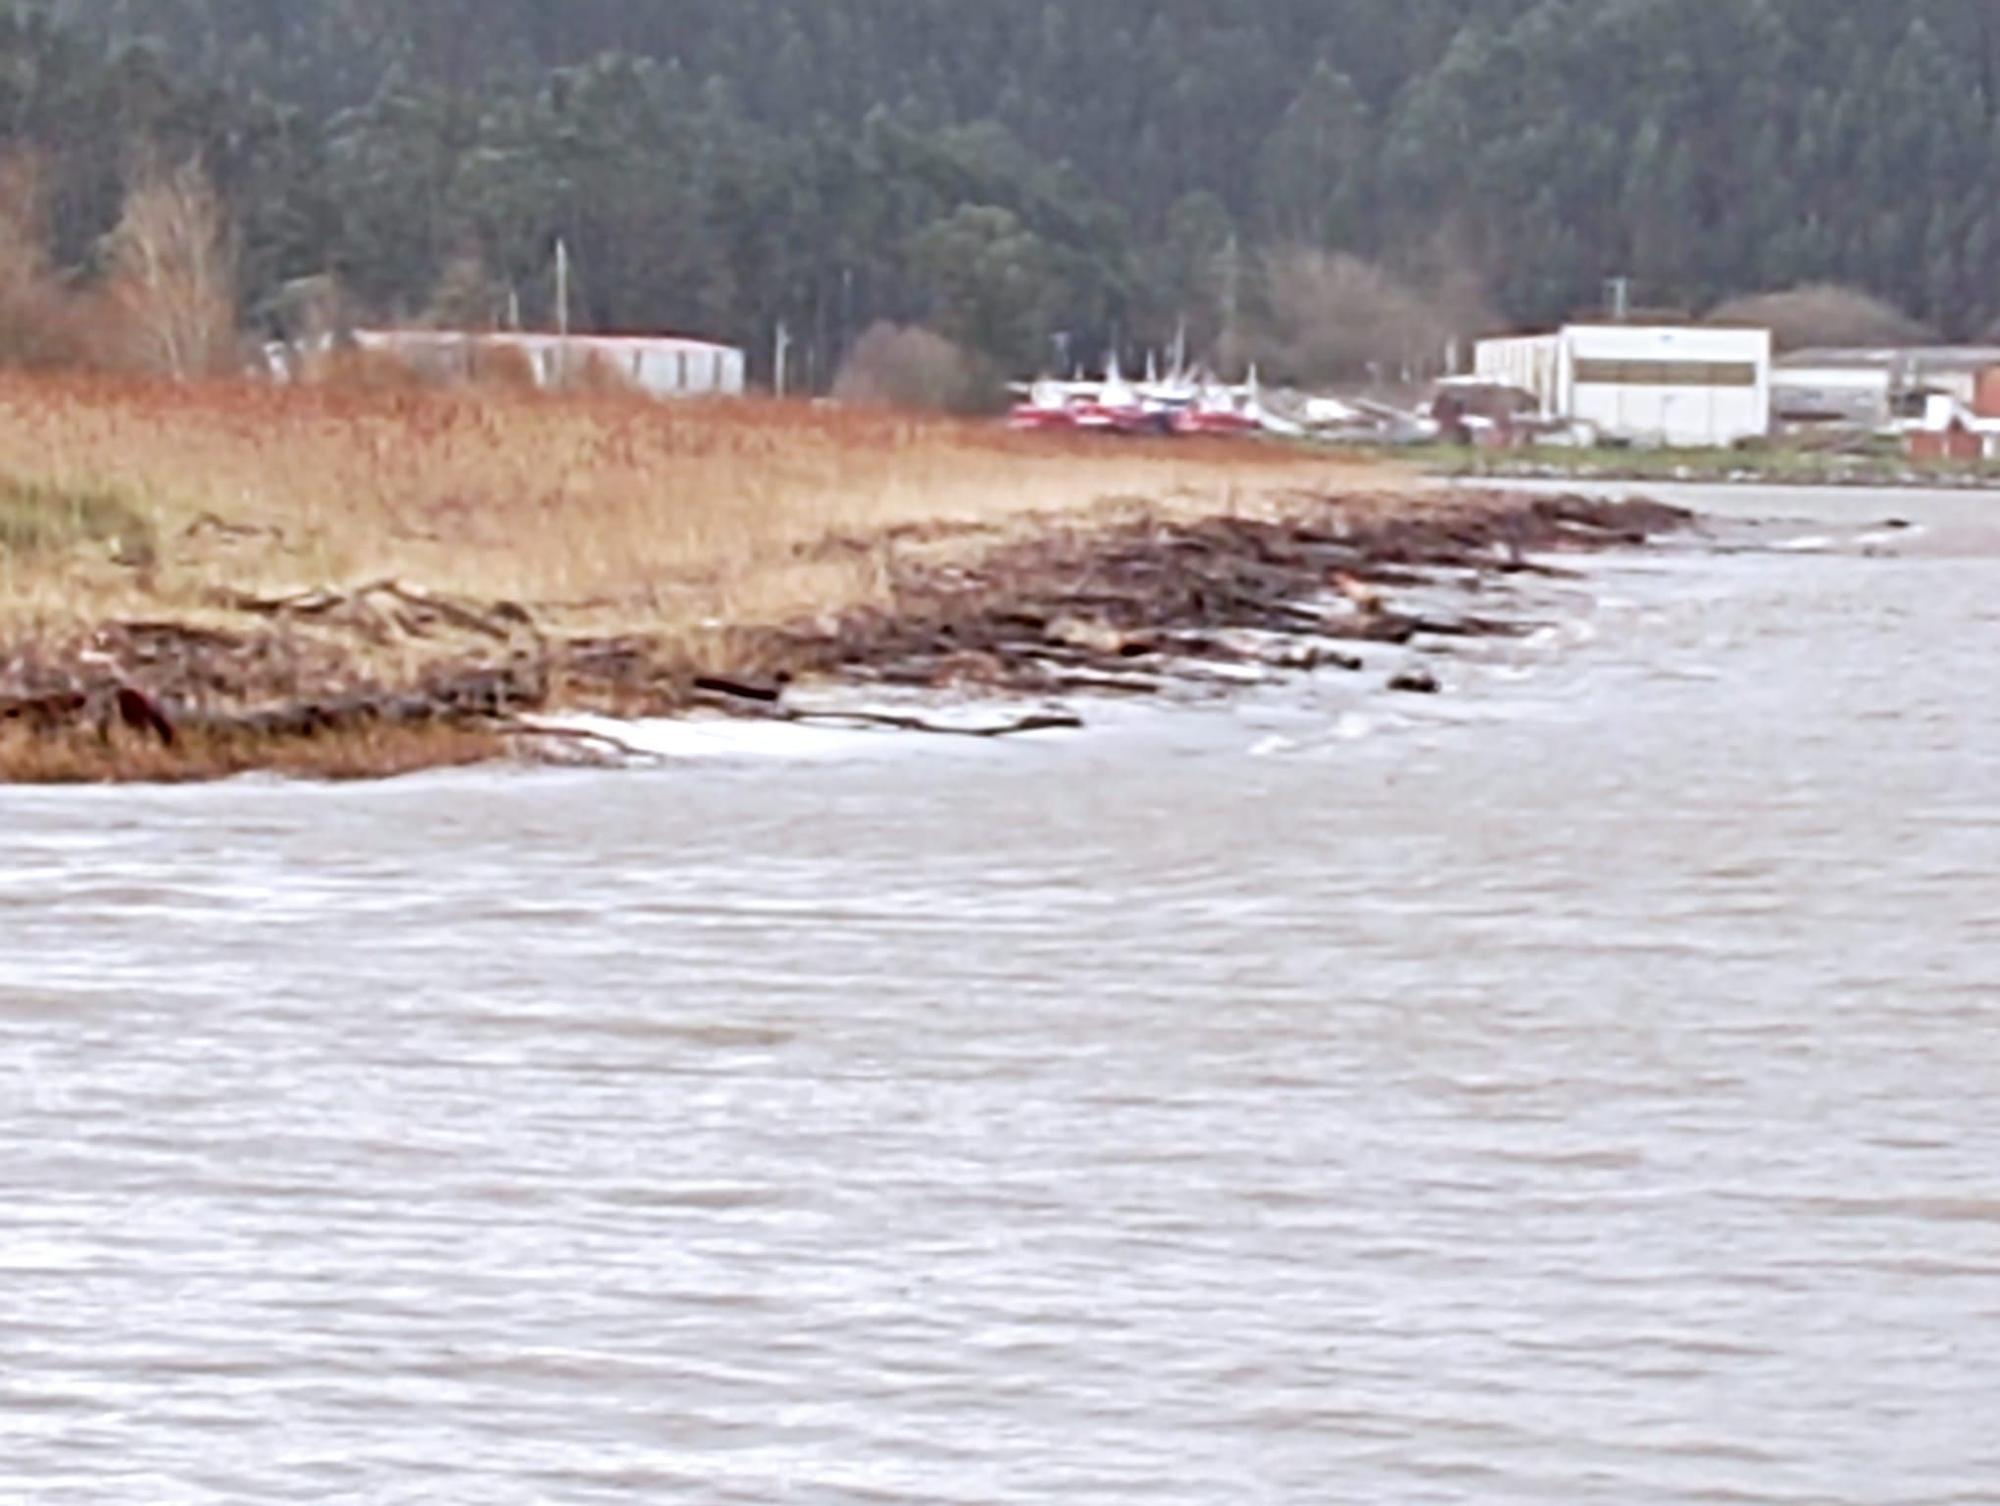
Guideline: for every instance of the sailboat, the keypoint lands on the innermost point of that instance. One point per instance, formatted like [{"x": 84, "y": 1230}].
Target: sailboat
[
  {"x": 1215, "y": 410},
  {"x": 1116, "y": 408},
  {"x": 1049, "y": 405},
  {"x": 1265, "y": 420}
]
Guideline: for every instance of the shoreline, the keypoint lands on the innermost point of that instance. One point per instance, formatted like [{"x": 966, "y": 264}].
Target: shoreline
[
  {"x": 1714, "y": 469},
  {"x": 1142, "y": 604}
]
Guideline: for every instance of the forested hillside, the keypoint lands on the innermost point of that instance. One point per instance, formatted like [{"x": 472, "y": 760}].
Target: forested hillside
[{"x": 1010, "y": 169}]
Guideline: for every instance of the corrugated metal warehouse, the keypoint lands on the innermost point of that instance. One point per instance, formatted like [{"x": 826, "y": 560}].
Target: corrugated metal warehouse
[
  {"x": 1683, "y": 385},
  {"x": 661, "y": 365},
  {"x": 1875, "y": 386}
]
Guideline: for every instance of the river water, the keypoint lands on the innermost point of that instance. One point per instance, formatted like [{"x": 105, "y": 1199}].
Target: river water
[{"x": 1584, "y": 1087}]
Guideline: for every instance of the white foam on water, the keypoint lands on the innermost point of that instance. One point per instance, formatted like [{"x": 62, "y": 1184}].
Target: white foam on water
[
  {"x": 677, "y": 738},
  {"x": 965, "y": 725},
  {"x": 1571, "y": 632},
  {"x": 1355, "y": 726},
  {"x": 1879, "y": 537}
]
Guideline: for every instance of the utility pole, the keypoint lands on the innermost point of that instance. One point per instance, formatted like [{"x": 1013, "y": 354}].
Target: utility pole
[
  {"x": 1619, "y": 290},
  {"x": 1232, "y": 293},
  {"x": 847, "y": 335},
  {"x": 562, "y": 308},
  {"x": 784, "y": 350}
]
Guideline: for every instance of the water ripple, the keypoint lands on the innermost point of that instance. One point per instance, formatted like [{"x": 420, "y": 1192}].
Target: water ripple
[{"x": 1581, "y": 1096}]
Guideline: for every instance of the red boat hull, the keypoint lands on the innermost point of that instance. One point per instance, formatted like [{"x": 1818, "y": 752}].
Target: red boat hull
[
  {"x": 1217, "y": 423},
  {"x": 1041, "y": 420}
]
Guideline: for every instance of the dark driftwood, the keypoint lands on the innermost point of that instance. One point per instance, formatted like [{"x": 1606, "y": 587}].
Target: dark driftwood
[
  {"x": 739, "y": 690},
  {"x": 1131, "y": 609},
  {"x": 578, "y": 735},
  {"x": 127, "y": 705},
  {"x": 1071, "y": 611},
  {"x": 500, "y": 621},
  {"x": 1061, "y": 721}
]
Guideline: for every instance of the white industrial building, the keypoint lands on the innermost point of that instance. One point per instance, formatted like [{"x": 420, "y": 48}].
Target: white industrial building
[
  {"x": 1815, "y": 388},
  {"x": 1875, "y": 387},
  {"x": 660, "y": 365},
  {"x": 1663, "y": 384}
]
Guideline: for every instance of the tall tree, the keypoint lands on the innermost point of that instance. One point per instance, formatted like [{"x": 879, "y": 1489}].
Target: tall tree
[{"x": 734, "y": 166}]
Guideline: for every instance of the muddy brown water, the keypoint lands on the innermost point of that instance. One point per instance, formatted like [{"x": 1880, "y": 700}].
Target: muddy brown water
[{"x": 1584, "y": 1087}]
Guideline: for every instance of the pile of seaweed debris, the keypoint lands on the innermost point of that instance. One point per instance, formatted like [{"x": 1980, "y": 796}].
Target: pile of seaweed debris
[{"x": 1138, "y": 607}]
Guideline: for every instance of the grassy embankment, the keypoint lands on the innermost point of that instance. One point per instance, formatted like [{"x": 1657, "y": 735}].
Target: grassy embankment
[
  {"x": 128, "y": 503},
  {"x": 1776, "y": 464}
]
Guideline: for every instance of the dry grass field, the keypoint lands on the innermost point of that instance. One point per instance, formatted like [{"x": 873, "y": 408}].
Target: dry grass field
[
  {"x": 124, "y": 502},
  {"x": 119, "y": 497}
]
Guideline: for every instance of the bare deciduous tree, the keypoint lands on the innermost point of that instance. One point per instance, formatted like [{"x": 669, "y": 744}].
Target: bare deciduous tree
[
  {"x": 910, "y": 367},
  {"x": 468, "y": 296},
  {"x": 1824, "y": 314},
  {"x": 42, "y": 322},
  {"x": 1334, "y": 317},
  {"x": 172, "y": 263}
]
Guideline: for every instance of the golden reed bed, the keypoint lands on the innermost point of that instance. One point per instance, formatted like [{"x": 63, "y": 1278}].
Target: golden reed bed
[
  {"x": 610, "y": 509},
  {"x": 127, "y": 502}
]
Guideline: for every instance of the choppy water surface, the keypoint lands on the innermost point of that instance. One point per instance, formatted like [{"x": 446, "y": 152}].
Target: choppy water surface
[{"x": 1584, "y": 1088}]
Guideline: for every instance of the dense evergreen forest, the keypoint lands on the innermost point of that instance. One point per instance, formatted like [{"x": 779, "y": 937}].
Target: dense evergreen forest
[{"x": 1017, "y": 171}]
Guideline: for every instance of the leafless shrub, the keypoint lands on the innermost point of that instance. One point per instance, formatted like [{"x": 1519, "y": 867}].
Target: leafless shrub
[
  {"x": 348, "y": 368},
  {"x": 897, "y": 366},
  {"x": 1824, "y": 314},
  {"x": 172, "y": 276},
  {"x": 596, "y": 373},
  {"x": 42, "y": 323},
  {"x": 1335, "y": 317},
  {"x": 467, "y": 296},
  {"x": 502, "y": 366}
]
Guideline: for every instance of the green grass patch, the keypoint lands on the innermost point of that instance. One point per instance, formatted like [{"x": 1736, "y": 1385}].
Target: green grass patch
[{"x": 43, "y": 518}]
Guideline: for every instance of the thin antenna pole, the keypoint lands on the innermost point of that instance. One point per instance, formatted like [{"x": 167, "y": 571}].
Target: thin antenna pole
[
  {"x": 1620, "y": 289},
  {"x": 1232, "y": 277},
  {"x": 562, "y": 306}
]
